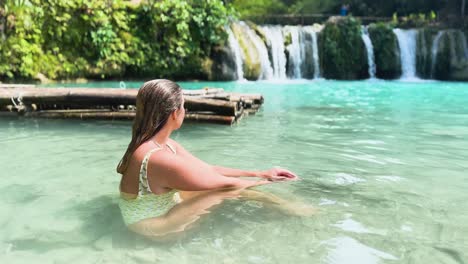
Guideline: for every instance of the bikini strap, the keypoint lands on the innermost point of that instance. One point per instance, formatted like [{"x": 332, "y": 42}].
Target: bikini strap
[
  {"x": 144, "y": 186},
  {"x": 171, "y": 148}
]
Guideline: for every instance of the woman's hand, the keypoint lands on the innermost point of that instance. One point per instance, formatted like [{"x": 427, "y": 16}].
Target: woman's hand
[{"x": 278, "y": 174}]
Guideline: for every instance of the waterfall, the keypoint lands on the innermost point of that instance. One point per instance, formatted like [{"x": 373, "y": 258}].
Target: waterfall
[
  {"x": 370, "y": 52},
  {"x": 311, "y": 51},
  {"x": 236, "y": 50},
  {"x": 275, "y": 41},
  {"x": 295, "y": 52},
  {"x": 266, "y": 70},
  {"x": 435, "y": 47},
  {"x": 407, "y": 43},
  {"x": 315, "y": 55}
]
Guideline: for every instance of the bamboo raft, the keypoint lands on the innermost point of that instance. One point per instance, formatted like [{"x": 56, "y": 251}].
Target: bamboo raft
[{"x": 213, "y": 105}]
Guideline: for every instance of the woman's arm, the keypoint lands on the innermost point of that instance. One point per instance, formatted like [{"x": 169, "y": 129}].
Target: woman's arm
[
  {"x": 271, "y": 174},
  {"x": 231, "y": 172},
  {"x": 274, "y": 174},
  {"x": 175, "y": 172}
]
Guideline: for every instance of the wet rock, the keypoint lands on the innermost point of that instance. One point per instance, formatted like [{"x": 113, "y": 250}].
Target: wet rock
[
  {"x": 222, "y": 65},
  {"x": 342, "y": 51},
  {"x": 252, "y": 65},
  {"x": 386, "y": 51}
]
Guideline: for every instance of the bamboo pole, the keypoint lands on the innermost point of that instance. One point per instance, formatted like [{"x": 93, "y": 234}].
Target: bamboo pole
[
  {"x": 204, "y": 91},
  {"x": 85, "y": 114},
  {"x": 90, "y": 97},
  {"x": 208, "y": 105}
]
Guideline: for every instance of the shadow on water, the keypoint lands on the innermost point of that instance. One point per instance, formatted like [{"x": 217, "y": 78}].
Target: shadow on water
[
  {"x": 453, "y": 254},
  {"x": 20, "y": 193},
  {"x": 102, "y": 228}
]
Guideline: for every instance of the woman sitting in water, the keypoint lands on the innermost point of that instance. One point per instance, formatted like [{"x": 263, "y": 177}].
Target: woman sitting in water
[{"x": 164, "y": 188}]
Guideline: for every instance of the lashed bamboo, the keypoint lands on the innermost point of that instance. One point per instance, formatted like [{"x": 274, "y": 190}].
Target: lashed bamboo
[
  {"x": 90, "y": 97},
  {"x": 122, "y": 115},
  {"x": 208, "y": 104}
]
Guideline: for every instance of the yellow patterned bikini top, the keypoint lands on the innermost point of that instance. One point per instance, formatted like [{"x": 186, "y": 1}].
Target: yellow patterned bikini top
[{"x": 146, "y": 204}]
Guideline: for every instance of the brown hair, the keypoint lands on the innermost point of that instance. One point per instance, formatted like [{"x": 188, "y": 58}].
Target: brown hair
[{"x": 155, "y": 101}]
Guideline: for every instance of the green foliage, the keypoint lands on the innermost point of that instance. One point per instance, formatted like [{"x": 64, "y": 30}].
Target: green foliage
[
  {"x": 20, "y": 46},
  {"x": 386, "y": 52},
  {"x": 249, "y": 8},
  {"x": 382, "y": 8},
  {"x": 342, "y": 50},
  {"x": 108, "y": 39},
  {"x": 417, "y": 20}
]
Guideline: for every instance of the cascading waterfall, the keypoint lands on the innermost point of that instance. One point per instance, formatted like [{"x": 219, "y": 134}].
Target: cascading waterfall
[
  {"x": 370, "y": 52},
  {"x": 434, "y": 49},
  {"x": 234, "y": 46},
  {"x": 291, "y": 52},
  {"x": 295, "y": 52},
  {"x": 407, "y": 42},
  {"x": 311, "y": 54},
  {"x": 275, "y": 39},
  {"x": 266, "y": 70},
  {"x": 315, "y": 54}
]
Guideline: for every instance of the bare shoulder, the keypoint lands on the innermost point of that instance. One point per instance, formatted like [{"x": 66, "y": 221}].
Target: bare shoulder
[
  {"x": 164, "y": 159},
  {"x": 175, "y": 144},
  {"x": 179, "y": 148},
  {"x": 141, "y": 151}
]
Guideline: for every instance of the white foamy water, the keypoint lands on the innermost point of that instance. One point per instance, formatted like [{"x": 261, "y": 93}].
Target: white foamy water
[
  {"x": 266, "y": 69},
  {"x": 370, "y": 52},
  {"x": 275, "y": 38},
  {"x": 296, "y": 50},
  {"x": 348, "y": 250},
  {"x": 407, "y": 44},
  {"x": 234, "y": 46}
]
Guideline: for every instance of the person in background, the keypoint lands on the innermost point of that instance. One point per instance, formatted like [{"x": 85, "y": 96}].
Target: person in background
[{"x": 344, "y": 9}]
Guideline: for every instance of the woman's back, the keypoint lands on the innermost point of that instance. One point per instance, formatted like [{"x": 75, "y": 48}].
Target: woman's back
[
  {"x": 138, "y": 169},
  {"x": 140, "y": 200}
]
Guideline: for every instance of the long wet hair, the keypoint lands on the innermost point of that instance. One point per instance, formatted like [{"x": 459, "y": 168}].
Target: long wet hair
[{"x": 155, "y": 102}]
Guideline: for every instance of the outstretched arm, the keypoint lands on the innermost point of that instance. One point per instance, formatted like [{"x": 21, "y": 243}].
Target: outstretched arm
[
  {"x": 231, "y": 172},
  {"x": 271, "y": 174},
  {"x": 176, "y": 172}
]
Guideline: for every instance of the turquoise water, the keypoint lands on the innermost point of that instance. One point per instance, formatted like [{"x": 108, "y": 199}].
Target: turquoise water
[{"x": 385, "y": 164}]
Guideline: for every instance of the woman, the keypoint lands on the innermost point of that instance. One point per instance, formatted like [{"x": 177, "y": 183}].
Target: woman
[{"x": 158, "y": 173}]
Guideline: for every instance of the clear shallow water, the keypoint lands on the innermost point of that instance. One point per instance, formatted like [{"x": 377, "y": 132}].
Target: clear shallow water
[{"x": 384, "y": 162}]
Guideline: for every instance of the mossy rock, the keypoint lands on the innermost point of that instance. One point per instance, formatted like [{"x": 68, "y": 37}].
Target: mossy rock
[
  {"x": 287, "y": 39},
  {"x": 454, "y": 63},
  {"x": 221, "y": 66},
  {"x": 425, "y": 40},
  {"x": 258, "y": 31},
  {"x": 342, "y": 51},
  {"x": 386, "y": 51},
  {"x": 442, "y": 67},
  {"x": 252, "y": 66}
]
